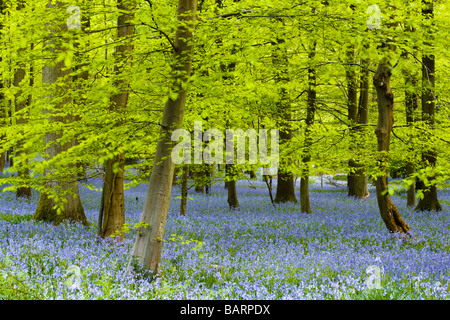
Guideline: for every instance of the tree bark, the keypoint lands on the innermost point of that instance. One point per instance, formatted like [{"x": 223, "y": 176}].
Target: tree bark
[
  {"x": 411, "y": 103},
  {"x": 147, "y": 248},
  {"x": 230, "y": 174},
  {"x": 199, "y": 176},
  {"x": 2, "y": 98},
  {"x": 385, "y": 99},
  {"x": 285, "y": 182},
  {"x": 430, "y": 201},
  {"x": 357, "y": 114},
  {"x": 114, "y": 199},
  {"x": 72, "y": 208},
  {"x": 184, "y": 190},
  {"x": 305, "y": 206}
]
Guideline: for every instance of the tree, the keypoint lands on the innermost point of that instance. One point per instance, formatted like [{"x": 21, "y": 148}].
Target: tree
[
  {"x": 147, "y": 247},
  {"x": 385, "y": 99},
  {"x": 21, "y": 102},
  {"x": 429, "y": 201},
  {"x": 72, "y": 208},
  {"x": 305, "y": 205},
  {"x": 2, "y": 95},
  {"x": 113, "y": 195},
  {"x": 285, "y": 183}
]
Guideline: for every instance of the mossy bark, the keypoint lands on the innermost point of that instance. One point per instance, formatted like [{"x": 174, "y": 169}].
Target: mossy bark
[
  {"x": 385, "y": 98},
  {"x": 64, "y": 184}
]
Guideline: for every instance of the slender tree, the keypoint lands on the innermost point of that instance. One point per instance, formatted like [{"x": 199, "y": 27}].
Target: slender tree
[
  {"x": 21, "y": 102},
  {"x": 305, "y": 205},
  {"x": 385, "y": 99},
  {"x": 285, "y": 182},
  {"x": 184, "y": 189},
  {"x": 147, "y": 247},
  {"x": 52, "y": 73},
  {"x": 113, "y": 196},
  {"x": 2, "y": 96},
  {"x": 429, "y": 201}
]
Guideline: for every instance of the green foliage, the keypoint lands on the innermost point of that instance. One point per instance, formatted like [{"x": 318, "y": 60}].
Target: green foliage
[
  {"x": 127, "y": 227},
  {"x": 13, "y": 286},
  {"x": 15, "y": 218}
]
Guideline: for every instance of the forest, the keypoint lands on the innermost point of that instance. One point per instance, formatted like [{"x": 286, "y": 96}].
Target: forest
[{"x": 224, "y": 149}]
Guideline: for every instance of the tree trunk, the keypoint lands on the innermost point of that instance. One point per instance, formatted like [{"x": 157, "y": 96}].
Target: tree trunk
[
  {"x": 199, "y": 176},
  {"x": 174, "y": 179},
  {"x": 230, "y": 174},
  {"x": 114, "y": 200},
  {"x": 430, "y": 201},
  {"x": 285, "y": 182},
  {"x": 23, "y": 171},
  {"x": 411, "y": 103},
  {"x": 2, "y": 157},
  {"x": 81, "y": 80},
  {"x": 20, "y": 103},
  {"x": 208, "y": 172},
  {"x": 305, "y": 206},
  {"x": 184, "y": 190},
  {"x": 147, "y": 248},
  {"x": 357, "y": 114},
  {"x": 72, "y": 209},
  {"x": 385, "y": 99},
  {"x": 2, "y": 98}
]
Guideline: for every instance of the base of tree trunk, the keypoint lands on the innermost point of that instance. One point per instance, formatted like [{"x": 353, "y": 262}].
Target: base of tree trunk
[
  {"x": 285, "y": 188},
  {"x": 430, "y": 201},
  {"x": 357, "y": 186},
  {"x": 45, "y": 211},
  {"x": 411, "y": 192},
  {"x": 305, "y": 206},
  {"x": 232, "y": 195},
  {"x": 2, "y": 161},
  {"x": 23, "y": 192}
]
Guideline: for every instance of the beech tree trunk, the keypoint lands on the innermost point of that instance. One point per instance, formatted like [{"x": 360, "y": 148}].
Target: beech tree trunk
[
  {"x": 411, "y": 103},
  {"x": 114, "y": 200},
  {"x": 230, "y": 173},
  {"x": 184, "y": 189},
  {"x": 285, "y": 182},
  {"x": 147, "y": 247},
  {"x": 305, "y": 205},
  {"x": 2, "y": 99},
  {"x": 357, "y": 114},
  {"x": 385, "y": 99},
  {"x": 430, "y": 201},
  {"x": 199, "y": 176},
  {"x": 73, "y": 209},
  {"x": 21, "y": 102}
]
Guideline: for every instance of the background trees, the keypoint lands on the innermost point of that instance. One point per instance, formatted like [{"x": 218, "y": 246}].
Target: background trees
[{"x": 295, "y": 66}]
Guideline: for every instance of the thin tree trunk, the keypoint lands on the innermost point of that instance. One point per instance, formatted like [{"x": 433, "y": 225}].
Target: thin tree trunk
[
  {"x": 230, "y": 173},
  {"x": 147, "y": 248},
  {"x": 352, "y": 116},
  {"x": 305, "y": 206},
  {"x": 81, "y": 79},
  {"x": 199, "y": 176},
  {"x": 2, "y": 99},
  {"x": 389, "y": 213},
  {"x": 357, "y": 114},
  {"x": 72, "y": 208},
  {"x": 184, "y": 190},
  {"x": 2, "y": 158},
  {"x": 430, "y": 201},
  {"x": 411, "y": 103},
  {"x": 285, "y": 182},
  {"x": 114, "y": 199},
  {"x": 21, "y": 102}
]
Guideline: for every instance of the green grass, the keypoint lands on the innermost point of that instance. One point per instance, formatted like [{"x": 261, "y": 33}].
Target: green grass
[{"x": 15, "y": 218}]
